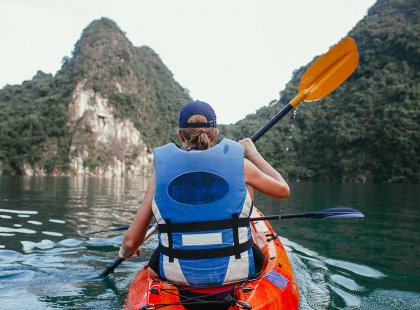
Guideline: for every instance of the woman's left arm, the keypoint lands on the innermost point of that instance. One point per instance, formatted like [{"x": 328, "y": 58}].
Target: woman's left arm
[
  {"x": 135, "y": 234},
  {"x": 261, "y": 175}
]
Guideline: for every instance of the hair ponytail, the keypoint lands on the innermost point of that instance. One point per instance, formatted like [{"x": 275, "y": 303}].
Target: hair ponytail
[{"x": 198, "y": 138}]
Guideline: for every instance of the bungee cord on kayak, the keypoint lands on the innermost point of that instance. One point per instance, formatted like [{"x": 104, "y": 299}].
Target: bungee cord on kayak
[{"x": 228, "y": 300}]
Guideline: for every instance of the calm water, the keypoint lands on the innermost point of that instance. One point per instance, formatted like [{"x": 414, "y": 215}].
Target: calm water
[{"x": 45, "y": 256}]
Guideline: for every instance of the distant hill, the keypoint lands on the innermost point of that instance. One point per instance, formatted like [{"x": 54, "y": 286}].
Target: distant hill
[
  {"x": 368, "y": 130},
  {"x": 101, "y": 113}
]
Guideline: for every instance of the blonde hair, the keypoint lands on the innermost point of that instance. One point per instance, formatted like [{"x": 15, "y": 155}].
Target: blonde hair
[{"x": 198, "y": 138}]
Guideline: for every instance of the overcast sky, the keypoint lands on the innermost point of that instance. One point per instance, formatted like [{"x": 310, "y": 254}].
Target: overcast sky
[{"x": 235, "y": 54}]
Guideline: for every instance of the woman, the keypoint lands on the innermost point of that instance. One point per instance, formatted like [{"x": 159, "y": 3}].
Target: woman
[{"x": 201, "y": 198}]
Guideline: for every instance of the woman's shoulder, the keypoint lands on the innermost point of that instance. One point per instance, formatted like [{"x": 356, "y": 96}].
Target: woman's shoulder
[{"x": 228, "y": 145}]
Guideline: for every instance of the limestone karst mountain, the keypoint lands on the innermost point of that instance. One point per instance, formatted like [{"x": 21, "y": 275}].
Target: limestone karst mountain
[{"x": 101, "y": 114}]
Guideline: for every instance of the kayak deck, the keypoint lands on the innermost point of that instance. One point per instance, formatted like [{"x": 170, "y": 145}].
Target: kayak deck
[{"x": 275, "y": 288}]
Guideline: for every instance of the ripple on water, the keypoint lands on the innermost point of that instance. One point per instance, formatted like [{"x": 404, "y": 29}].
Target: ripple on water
[
  {"x": 29, "y": 246},
  {"x": 41, "y": 261},
  {"x": 54, "y": 289},
  {"x": 351, "y": 301},
  {"x": 9, "y": 255},
  {"x": 16, "y": 275},
  {"x": 104, "y": 241},
  {"x": 361, "y": 270},
  {"x": 57, "y": 221},
  {"x": 52, "y": 233},
  {"x": 70, "y": 242},
  {"x": 35, "y": 222},
  {"x": 18, "y": 211},
  {"x": 290, "y": 245},
  {"x": 346, "y": 282},
  {"x": 19, "y": 230}
]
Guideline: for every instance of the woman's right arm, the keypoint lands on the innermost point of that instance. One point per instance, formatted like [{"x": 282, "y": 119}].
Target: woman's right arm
[
  {"x": 134, "y": 236},
  {"x": 261, "y": 175}
]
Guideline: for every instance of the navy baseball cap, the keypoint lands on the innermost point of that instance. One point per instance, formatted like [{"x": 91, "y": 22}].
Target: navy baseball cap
[{"x": 196, "y": 108}]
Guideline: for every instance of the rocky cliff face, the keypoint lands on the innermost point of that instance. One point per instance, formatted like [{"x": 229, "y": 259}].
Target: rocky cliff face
[{"x": 102, "y": 144}]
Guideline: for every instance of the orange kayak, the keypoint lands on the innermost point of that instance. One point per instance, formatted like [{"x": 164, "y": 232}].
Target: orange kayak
[{"x": 275, "y": 288}]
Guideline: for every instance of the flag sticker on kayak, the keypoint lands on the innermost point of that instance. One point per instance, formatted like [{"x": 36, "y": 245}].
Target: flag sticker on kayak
[{"x": 277, "y": 279}]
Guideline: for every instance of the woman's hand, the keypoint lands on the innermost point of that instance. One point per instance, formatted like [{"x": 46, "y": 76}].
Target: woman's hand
[
  {"x": 250, "y": 149},
  {"x": 127, "y": 253}
]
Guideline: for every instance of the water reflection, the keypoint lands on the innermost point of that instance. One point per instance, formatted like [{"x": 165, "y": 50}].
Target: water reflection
[
  {"x": 99, "y": 203},
  {"x": 65, "y": 206}
]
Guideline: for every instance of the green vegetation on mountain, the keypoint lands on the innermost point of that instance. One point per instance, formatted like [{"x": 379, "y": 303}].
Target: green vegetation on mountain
[
  {"x": 368, "y": 129},
  {"x": 365, "y": 131},
  {"x": 33, "y": 129}
]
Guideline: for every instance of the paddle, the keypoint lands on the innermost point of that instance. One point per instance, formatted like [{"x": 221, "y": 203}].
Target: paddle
[
  {"x": 111, "y": 267},
  {"x": 325, "y": 214},
  {"x": 327, "y": 73},
  {"x": 332, "y": 213},
  {"x": 121, "y": 228}
]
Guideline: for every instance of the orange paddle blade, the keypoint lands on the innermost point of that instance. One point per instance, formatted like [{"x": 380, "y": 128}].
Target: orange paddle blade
[{"x": 329, "y": 71}]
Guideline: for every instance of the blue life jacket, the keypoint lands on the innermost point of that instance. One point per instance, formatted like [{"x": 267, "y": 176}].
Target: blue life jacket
[{"x": 202, "y": 207}]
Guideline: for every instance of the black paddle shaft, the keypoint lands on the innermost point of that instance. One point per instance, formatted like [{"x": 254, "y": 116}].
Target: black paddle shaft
[
  {"x": 271, "y": 123},
  {"x": 110, "y": 268},
  {"x": 323, "y": 214},
  {"x": 287, "y": 216}
]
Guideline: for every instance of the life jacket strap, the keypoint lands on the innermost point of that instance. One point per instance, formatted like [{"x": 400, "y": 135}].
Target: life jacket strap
[
  {"x": 171, "y": 249},
  {"x": 202, "y": 226},
  {"x": 235, "y": 230},
  {"x": 206, "y": 253}
]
